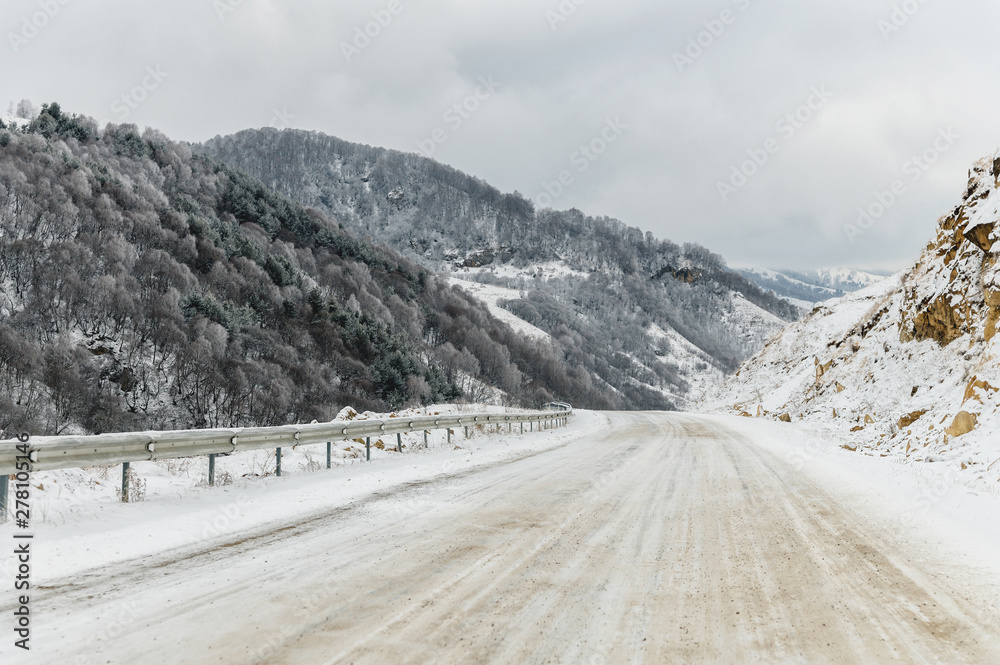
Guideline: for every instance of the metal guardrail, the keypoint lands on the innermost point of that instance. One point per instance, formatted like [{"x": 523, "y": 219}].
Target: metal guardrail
[{"x": 74, "y": 452}]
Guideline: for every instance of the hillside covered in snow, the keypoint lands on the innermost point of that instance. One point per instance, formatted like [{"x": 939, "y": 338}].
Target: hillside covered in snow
[
  {"x": 144, "y": 287},
  {"x": 807, "y": 288},
  {"x": 907, "y": 367},
  {"x": 650, "y": 320}
]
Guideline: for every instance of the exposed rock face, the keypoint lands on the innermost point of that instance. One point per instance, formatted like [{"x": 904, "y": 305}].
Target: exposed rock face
[
  {"x": 975, "y": 386},
  {"x": 686, "y": 275},
  {"x": 951, "y": 292},
  {"x": 992, "y": 313},
  {"x": 982, "y": 236},
  {"x": 922, "y": 346},
  {"x": 939, "y": 321},
  {"x": 906, "y": 421}
]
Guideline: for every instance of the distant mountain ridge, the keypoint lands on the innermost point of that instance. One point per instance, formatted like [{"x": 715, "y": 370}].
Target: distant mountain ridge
[
  {"x": 813, "y": 286},
  {"x": 647, "y": 318}
]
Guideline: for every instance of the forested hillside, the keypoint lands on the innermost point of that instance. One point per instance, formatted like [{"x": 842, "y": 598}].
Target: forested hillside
[
  {"x": 646, "y": 316},
  {"x": 142, "y": 286}
]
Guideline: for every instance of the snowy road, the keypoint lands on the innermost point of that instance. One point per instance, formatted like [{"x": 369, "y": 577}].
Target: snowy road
[{"x": 659, "y": 539}]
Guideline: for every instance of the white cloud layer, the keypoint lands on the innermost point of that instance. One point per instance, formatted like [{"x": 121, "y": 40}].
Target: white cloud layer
[{"x": 700, "y": 85}]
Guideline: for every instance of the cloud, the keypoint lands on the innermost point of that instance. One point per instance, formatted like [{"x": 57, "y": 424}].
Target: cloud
[{"x": 567, "y": 67}]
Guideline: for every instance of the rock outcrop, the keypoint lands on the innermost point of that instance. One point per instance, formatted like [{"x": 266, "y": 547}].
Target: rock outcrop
[{"x": 924, "y": 344}]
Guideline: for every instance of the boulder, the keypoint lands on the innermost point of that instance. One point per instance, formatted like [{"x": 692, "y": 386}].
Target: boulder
[
  {"x": 347, "y": 413},
  {"x": 785, "y": 418},
  {"x": 964, "y": 423}
]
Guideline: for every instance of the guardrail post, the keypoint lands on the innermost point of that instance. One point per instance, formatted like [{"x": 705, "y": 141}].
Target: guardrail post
[
  {"x": 522, "y": 427},
  {"x": 399, "y": 442},
  {"x": 368, "y": 449},
  {"x": 277, "y": 457},
  {"x": 329, "y": 453},
  {"x": 211, "y": 470},
  {"x": 449, "y": 436},
  {"x": 425, "y": 438},
  {"x": 125, "y": 468},
  {"x": 4, "y": 483},
  {"x": 466, "y": 431}
]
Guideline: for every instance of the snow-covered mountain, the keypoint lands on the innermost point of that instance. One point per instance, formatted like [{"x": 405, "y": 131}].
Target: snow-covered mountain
[
  {"x": 649, "y": 320},
  {"x": 143, "y": 287},
  {"x": 906, "y": 367},
  {"x": 805, "y": 288}
]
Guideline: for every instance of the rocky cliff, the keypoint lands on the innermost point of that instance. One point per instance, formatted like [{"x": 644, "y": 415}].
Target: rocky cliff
[{"x": 907, "y": 367}]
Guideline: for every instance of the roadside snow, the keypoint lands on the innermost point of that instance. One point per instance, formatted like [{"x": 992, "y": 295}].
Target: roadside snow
[
  {"x": 77, "y": 516},
  {"x": 931, "y": 500},
  {"x": 920, "y": 521}
]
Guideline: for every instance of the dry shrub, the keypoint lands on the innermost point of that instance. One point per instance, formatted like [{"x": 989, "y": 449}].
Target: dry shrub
[
  {"x": 311, "y": 464},
  {"x": 136, "y": 488}
]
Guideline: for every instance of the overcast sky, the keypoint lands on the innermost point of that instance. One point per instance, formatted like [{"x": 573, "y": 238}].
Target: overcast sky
[{"x": 666, "y": 119}]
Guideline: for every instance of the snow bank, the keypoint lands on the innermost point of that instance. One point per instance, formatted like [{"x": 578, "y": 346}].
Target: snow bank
[{"x": 76, "y": 513}]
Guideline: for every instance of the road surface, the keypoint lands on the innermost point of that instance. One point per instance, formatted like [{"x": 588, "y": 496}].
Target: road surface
[{"x": 659, "y": 539}]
